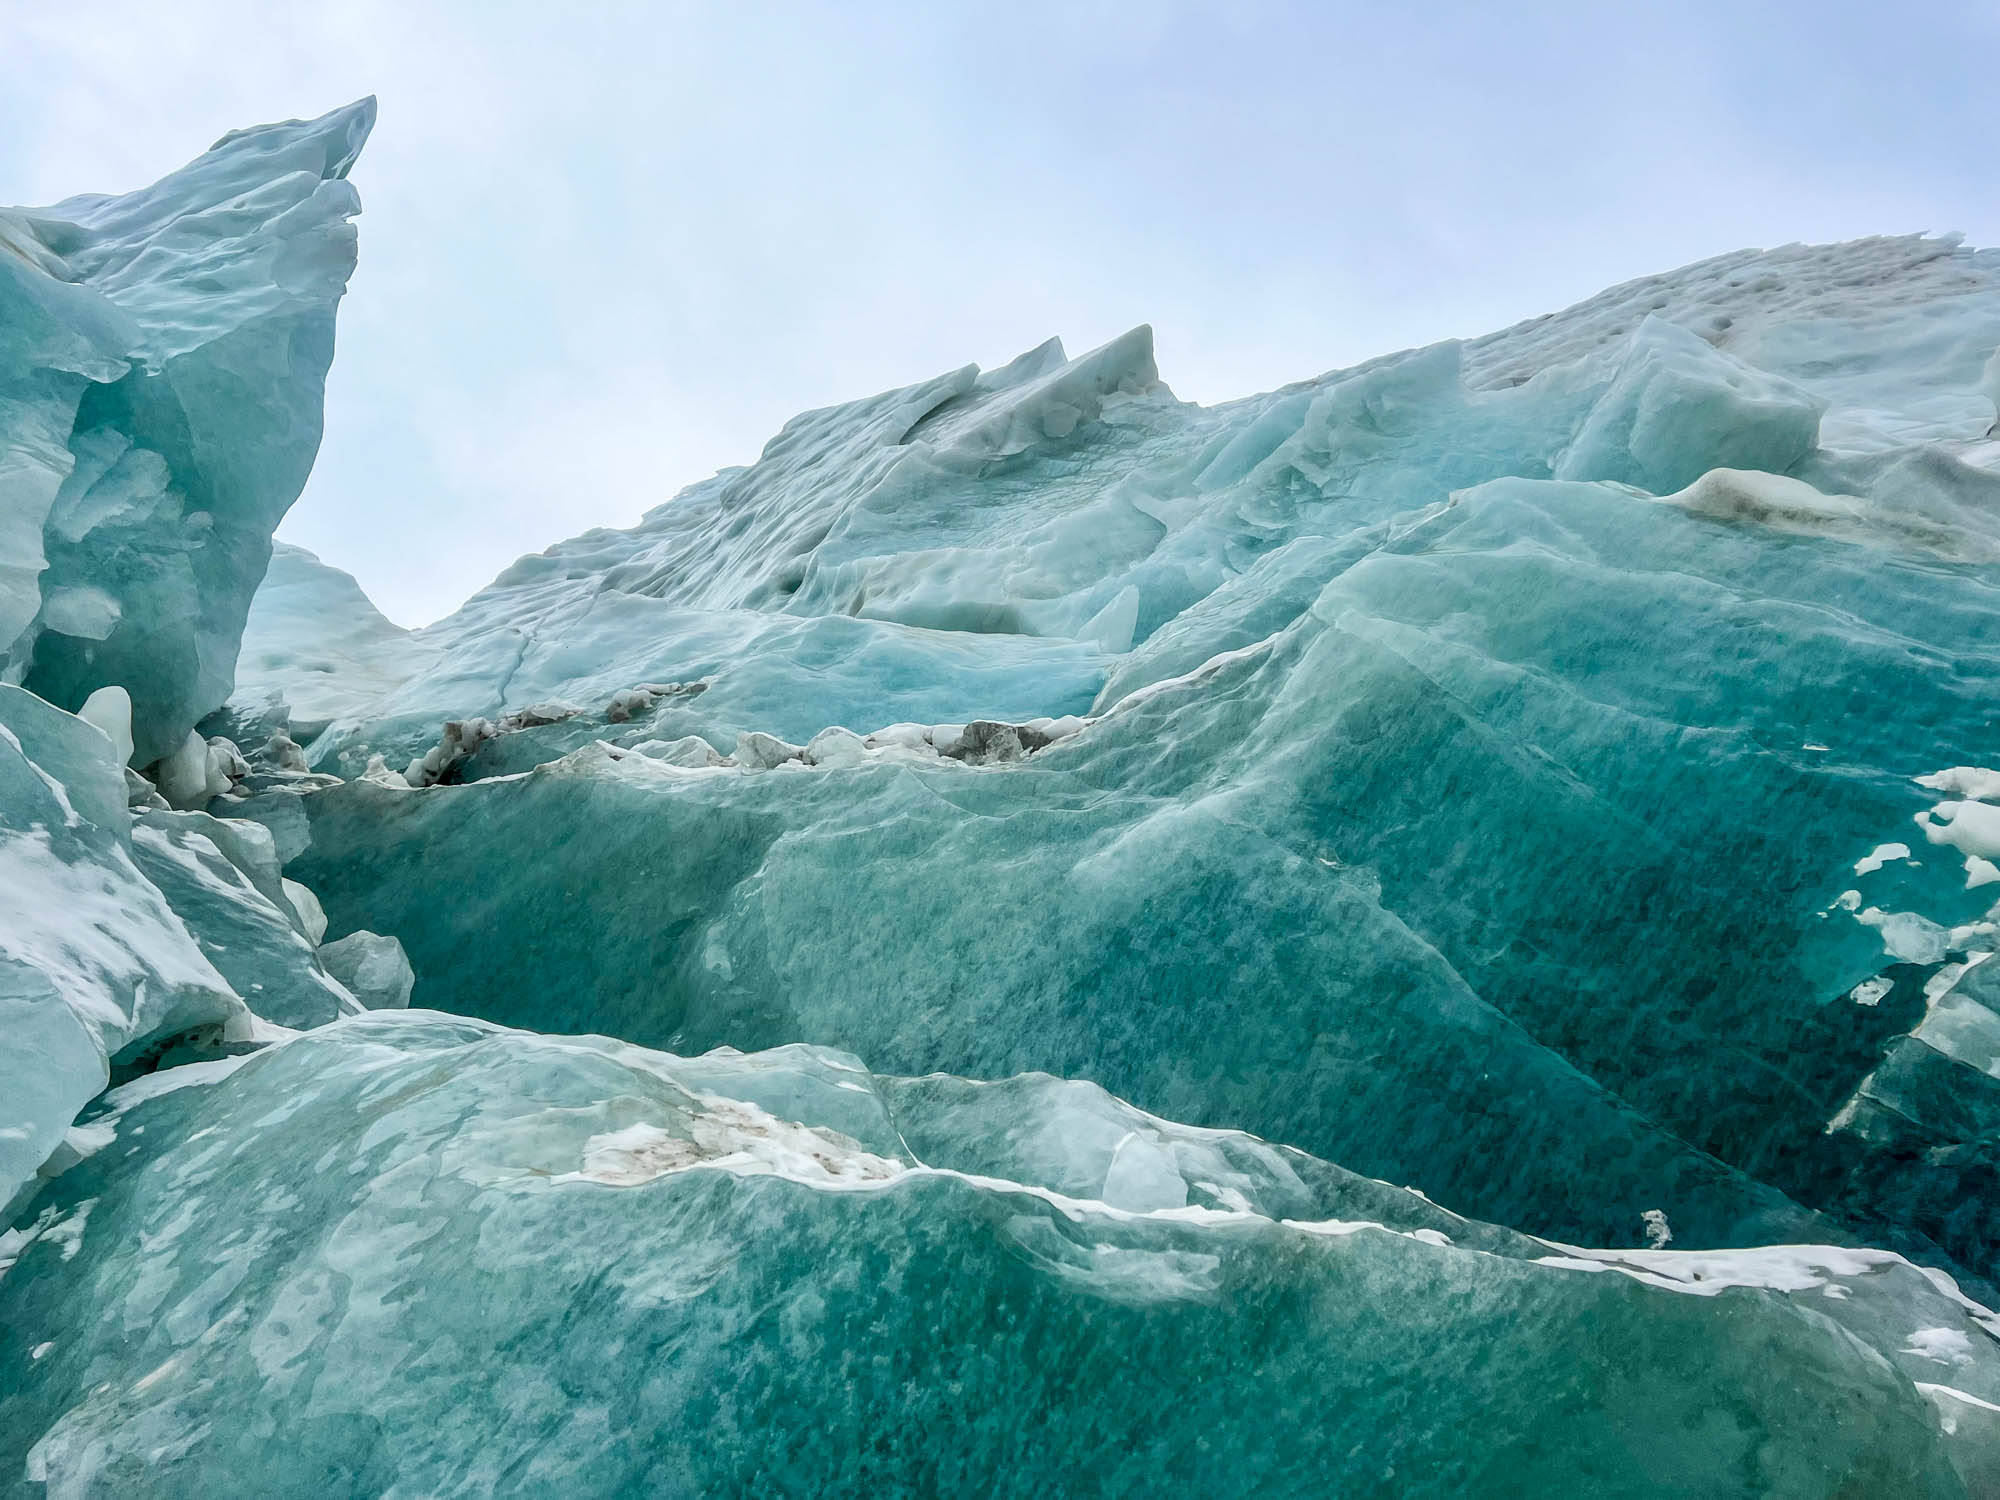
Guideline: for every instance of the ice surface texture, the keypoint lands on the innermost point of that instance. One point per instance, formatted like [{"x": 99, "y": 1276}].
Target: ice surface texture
[
  {"x": 124, "y": 934},
  {"x": 162, "y": 359},
  {"x": 1467, "y": 748},
  {"x": 92, "y": 957},
  {"x": 1553, "y": 772},
  {"x": 419, "y": 1255}
]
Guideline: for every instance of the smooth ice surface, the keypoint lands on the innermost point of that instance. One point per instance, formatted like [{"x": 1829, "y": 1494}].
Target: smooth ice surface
[
  {"x": 162, "y": 359},
  {"x": 780, "y": 1272},
  {"x": 318, "y": 649}
]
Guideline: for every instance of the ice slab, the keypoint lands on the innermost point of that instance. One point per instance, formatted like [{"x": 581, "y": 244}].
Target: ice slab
[{"x": 162, "y": 361}]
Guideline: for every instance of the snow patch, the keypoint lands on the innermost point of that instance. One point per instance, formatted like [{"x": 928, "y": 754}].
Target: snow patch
[{"x": 1881, "y": 855}]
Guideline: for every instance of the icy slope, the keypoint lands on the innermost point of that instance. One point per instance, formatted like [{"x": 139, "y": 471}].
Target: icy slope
[
  {"x": 129, "y": 932},
  {"x": 162, "y": 358},
  {"x": 417, "y": 1255},
  {"x": 1079, "y": 506},
  {"x": 92, "y": 958},
  {"x": 1398, "y": 753},
  {"x": 317, "y": 649}
]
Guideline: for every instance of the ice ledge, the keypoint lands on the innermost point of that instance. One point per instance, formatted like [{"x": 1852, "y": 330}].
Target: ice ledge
[{"x": 1039, "y": 400}]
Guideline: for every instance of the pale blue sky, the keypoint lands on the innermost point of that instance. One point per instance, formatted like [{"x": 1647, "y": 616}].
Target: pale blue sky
[{"x": 607, "y": 249}]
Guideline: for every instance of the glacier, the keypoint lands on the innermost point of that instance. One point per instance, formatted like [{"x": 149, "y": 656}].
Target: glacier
[
  {"x": 1424, "y": 933},
  {"x": 1400, "y": 765}
]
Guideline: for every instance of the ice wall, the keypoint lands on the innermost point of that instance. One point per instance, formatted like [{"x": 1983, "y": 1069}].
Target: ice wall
[
  {"x": 1395, "y": 754},
  {"x": 162, "y": 360}
]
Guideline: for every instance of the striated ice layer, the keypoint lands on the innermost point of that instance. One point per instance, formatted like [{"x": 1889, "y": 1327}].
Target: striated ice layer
[
  {"x": 417, "y": 1254},
  {"x": 162, "y": 360}
]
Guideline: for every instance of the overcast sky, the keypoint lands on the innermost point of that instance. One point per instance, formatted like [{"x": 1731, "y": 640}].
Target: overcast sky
[{"x": 607, "y": 249}]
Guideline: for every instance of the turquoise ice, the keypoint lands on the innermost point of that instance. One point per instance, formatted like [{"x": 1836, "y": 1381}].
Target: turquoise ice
[
  {"x": 162, "y": 358},
  {"x": 1399, "y": 754},
  {"x": 1526, "y": 807},
  {"x": 92, "y": 957},
  {"x": 416, "y": 1254}
]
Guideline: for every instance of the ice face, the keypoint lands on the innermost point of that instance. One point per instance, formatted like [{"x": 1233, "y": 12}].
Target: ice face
[
  {"x": 317, "y": 650},
  {"x": 260, "y": 933},
  {"x": 696, "y": 1276},
  {"x": 1498, "y": 768},
  {"x": 93, "y": 960},
  {"x": 1478, "y": 728},
  {"x": 162, "y": 358}
]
